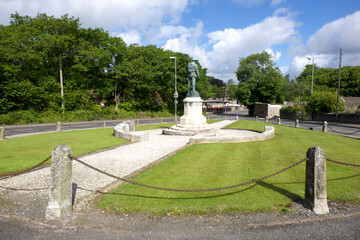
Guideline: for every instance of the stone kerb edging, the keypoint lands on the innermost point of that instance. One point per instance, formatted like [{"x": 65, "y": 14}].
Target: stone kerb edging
[
  {"x": 126, "y": 130},
  {"x": 267, "y": 134}
]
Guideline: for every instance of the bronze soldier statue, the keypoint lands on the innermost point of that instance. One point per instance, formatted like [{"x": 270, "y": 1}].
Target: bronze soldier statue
[{"x": 192, "y": 74}]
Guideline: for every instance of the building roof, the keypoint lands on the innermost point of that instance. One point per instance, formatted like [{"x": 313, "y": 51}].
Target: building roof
[{"x": 351, "y": 99}]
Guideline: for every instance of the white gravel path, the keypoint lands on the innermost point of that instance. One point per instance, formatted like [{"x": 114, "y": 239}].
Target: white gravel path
[{"x": 120, "y": 161}]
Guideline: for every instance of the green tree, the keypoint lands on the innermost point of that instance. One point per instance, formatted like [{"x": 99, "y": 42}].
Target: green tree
[{"x": 259, "y": 80}]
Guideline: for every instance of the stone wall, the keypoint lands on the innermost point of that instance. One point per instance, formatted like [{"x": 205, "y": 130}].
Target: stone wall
[
  {"x": 342, "y": 117},
  {"x": 267, "y": 110}
]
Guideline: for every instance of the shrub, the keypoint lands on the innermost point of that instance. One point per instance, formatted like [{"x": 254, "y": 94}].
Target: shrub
[{"x": 323, "y": 102}]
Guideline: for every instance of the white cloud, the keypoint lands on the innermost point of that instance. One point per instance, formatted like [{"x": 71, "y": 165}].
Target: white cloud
[
  {"x": 341, "y": 33},
  {"x": 276, "y": 56},
  {"x": 231, "y": 44},
  {"x": 324, "y": 45},
  {"x": 188, "y": 42},
  {"x": 130, "y": 37},
  {"x": 109, "y": 14}
]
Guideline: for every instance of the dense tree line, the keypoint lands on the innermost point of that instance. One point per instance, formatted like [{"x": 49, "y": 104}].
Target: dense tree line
[
  {"x": 326, "y": 80},
  {"x": 95, "y": 66},
  {"x": 260, "y": 80}
]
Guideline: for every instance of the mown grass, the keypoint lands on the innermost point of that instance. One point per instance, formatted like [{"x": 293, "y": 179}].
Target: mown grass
[
  {"x": 17, "y": 154},
  {"x": 224, "y": 164}
]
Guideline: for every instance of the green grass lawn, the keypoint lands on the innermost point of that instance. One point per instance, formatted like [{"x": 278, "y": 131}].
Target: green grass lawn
[
  {"x": 21, "y": 153},
  {"x": 223, "y": 164}
]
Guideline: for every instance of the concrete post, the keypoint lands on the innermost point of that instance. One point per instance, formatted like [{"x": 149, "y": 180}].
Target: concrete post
[
  {"x": 315, "y": 183},
  {"x": 325, "y": 125},
  {"x": 137, "y": 122},
  {"x": 256, "y": 118},
  {"x": 237, "y": 117},
  {"x": 279, "y": 121},
  {"x": 297, "y": 123},
  {"x": 2, "y": 133},
  {"x": 224, "y": 117},
  {"x": 208, "y": 118},
  {"x": 60, "y": 202},
  {"x": 266, "y": 119},
  {"x": 104, "y": 124},
  {"x": 161, "y": 120},
  {"x": 58, "y": 127}
]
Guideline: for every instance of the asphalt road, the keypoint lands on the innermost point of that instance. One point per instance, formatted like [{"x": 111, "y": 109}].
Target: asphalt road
[
  {"x": 332, "y": 228},
  {"x": 349, "y": 130}
]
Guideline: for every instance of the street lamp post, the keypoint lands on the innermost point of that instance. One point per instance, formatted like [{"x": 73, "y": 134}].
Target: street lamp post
[
  {"x": 312, "y": 74},
  {"x": 176, "y": 93}
]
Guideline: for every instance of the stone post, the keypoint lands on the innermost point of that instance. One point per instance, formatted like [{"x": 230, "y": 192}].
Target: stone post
[
  {"x": 315, "y": 183},
  {"x": 256, "y": 118},
  {"x": 2, "y": 133},
  {"x": 58, "y": 127},
  {"x": 60, "y": 201},
  {"x": 266, "y": 119},
  {"x": 161, "y": 120},
  {"x": 237, "y": 117},
  {"x": 279, "y": 121},
  {"x": 224, "y": 117},
  {"x": 104, "y": 124},
  {"x": 297, "y": 123},
  {"x": 324, "y": 128},
  {"x": 137, "y": 122}
]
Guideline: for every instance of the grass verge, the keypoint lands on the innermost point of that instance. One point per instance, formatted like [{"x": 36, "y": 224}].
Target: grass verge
[
  {"x": 224, "y": 164},
  {"x": 17, "y": 154}
]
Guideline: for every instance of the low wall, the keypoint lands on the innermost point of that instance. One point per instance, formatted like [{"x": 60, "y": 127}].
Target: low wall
[
  {"x": 126, "y": 130},
  {"x": 267, "y": 110},
  {"x": 269, "y": 133},
  {"x": 342, "y": 117}
]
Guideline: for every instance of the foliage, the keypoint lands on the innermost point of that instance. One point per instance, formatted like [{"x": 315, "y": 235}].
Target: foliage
[
  {"x": 326, "y": 79},
  {"x": 323, "y": 102},
  {"x": 95, "y": 67},
  {"x": 293, "y": 109},
  {"x": 259, "y": 80},
  {"x": 31, "y": 116}
]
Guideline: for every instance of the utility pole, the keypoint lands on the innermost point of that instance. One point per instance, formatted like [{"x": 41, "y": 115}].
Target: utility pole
[
  {"x": 338, "y": 91},
  {"x": 61, "y": 85},
  {"x": 312, "y": 74}
]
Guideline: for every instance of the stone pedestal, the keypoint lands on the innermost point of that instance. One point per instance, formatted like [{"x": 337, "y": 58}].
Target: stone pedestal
[{"x": 192, "y": 122}]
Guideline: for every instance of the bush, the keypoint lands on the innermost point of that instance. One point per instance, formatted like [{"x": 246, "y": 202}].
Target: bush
[
  {"x": 97, "y": 113},
  {"x": 323, "y": 102}
]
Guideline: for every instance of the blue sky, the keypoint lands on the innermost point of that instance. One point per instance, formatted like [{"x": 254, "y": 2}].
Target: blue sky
[{"x": 219, "y": 32}]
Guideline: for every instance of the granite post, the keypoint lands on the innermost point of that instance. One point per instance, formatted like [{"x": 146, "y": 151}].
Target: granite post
[
  {"x": 325, "y": 126},
  {"x": 315, "y": 183},
  {"x": 60, "y": 201},
  {"x": 2, "y": 133},
  {"x": 58, "y": 127}
]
